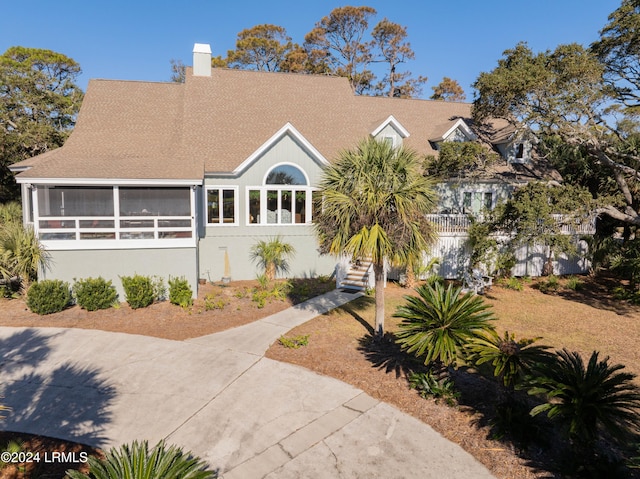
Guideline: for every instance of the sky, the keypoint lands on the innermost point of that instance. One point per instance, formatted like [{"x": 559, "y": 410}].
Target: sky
[{"x": 136, "y": 39}]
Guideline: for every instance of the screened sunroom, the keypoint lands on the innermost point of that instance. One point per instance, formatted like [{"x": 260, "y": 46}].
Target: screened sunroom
[{"x": 108, "y": 217}]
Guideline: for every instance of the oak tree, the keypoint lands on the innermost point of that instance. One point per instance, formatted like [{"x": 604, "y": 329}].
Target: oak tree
[
  {"x": 39, "y": 101},
  {"x": 563, "y": 94}
]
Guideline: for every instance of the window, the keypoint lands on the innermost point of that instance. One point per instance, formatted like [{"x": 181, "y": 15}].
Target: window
[
  {"x": 476, "y": 201},
  {"x": 488, "y": 200},
  {"x": 389, "y": 140},
  {"x": 285, "y": 198},
  {"x": 221, "y": 206},
  {"x": 79, "y": 213},
  {"x": 520, "y": 151},
  {"x": 466, "y": 201}
]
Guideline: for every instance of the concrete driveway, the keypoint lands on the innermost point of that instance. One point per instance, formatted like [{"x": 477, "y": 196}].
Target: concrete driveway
[{"x": 217, "y": 396}]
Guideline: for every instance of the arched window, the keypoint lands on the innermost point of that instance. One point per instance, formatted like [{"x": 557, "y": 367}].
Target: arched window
[
  {"x": 286, "y": 175},
  {"x": 285, "y": 197}
]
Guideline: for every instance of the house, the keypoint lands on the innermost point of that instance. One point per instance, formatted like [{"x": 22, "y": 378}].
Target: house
[{"x": 179, "y": 179}]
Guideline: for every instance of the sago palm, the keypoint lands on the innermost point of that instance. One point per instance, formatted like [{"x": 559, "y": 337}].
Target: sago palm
[
  {"x": 439, "y": 323},
  {"x": 374, "y": 205},
  {"x": 512, "y": 359},
  {"x": 273, "y": 256},
  {"x": 137, "y": 461},
  {"x": 588, "y": 399}
]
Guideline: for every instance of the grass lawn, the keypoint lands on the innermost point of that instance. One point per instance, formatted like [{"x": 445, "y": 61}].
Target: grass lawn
[{"x": 589, "y": 319}]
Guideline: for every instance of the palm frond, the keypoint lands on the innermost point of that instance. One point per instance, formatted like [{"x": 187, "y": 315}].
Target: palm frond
[{"x": 438, "y": 323}]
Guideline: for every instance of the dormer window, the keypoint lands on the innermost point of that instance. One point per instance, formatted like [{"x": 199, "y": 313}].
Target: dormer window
[
  {"x": 390, "y": 131},
  {"x": 389, "y": 140},
  {"x": 520, "y": 151}
]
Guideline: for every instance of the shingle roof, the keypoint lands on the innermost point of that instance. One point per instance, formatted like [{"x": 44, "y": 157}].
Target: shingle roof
[{"x": 143, "y": 130}]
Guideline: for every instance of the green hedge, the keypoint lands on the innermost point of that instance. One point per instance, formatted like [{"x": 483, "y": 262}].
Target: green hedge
[
  {"x": 94, "y": 293},
  {"x": 180, "y": 292},
  {"x": 48, "y": 296},
  {"x": 138, "y": 290}
]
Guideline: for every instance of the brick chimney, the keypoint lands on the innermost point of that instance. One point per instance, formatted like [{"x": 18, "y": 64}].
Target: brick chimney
[{"x": 202, "y": 60}]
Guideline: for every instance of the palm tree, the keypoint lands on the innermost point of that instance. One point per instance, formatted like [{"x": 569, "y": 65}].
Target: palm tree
[
  {"x": 138, "y": 462},
  {"x": 439, "y": 323},
  {"x": 374, "y": 205},
  {"x": 588, "y": 400},
  {"x": 273, "y": 256}
]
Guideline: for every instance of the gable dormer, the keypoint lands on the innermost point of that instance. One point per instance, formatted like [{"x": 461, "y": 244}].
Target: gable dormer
[
  {"x": 517, "y": 149},
  {"x": 457, "y": 131},
  {"x": 390, "y": 130}
]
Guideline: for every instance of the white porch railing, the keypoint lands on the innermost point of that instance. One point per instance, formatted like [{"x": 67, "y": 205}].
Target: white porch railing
[
  {"x": 80, "y": 228},
  {"x": 459, "y": 223}
]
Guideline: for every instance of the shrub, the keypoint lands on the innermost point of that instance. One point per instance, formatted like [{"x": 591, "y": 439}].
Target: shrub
[
  {"x": 48, "y": 296},
  {"x": 138, "y": 290},
  {"x": 94, "y": 293},
  {"x": 180, "y": 292},
  {"x": 430, "y": 385},
  {"x": 294, "y": 342},
  {"x": 211, "y": 301},
  {"x": 513, "y": 421},
  {"x": 260, "y": 297},
  {"x": 21, "y": 254},
  {"x": 137, "y": 461},
  {"x": 514, "y": 284},
  {"x": 159, "y": 288},
  {"x": 551, "y": 285},
  {"x": 574, "y": 283}
]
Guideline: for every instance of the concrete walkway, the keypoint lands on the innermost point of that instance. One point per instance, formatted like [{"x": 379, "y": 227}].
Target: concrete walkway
[{"x": 219, "y": 397}]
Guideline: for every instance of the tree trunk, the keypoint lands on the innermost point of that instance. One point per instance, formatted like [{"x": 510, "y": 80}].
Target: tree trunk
[
  {"x": 270, "y": 271},
  {"x": 378, "y": 271},
  {"x": 547, "y": 269},
  {"x": 411, "y": 277}
]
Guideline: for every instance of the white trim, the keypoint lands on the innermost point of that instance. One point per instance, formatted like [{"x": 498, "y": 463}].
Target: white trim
[
  {"x": 286, "y": 163},
  {"x": 117, "y": 242},
  {"x": 263, "y": 204},
  {"x": 395, "y": 124},
  {"x": 460, "y": 123},
  {"x": 109, "y": 181},
  {"x": 287, "y": 129},
  {"x": 70, "y": 245},
  {"x": 236, "y": 205}
]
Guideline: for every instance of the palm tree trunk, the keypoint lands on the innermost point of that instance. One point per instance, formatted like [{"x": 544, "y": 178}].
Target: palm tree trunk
[
  {"x": 411, "y": 277},
  {"x": 378, "y": 272},
  {"x": 270, "y": 271}
]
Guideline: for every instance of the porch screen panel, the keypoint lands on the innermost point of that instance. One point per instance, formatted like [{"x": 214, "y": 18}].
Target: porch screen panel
[
  {"x": 155, "y": 202},
  {"x": 75, "y": 201}
]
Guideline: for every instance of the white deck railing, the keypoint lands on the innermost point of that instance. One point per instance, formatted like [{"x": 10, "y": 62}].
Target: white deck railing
[{"x": 459, "y": 223}]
